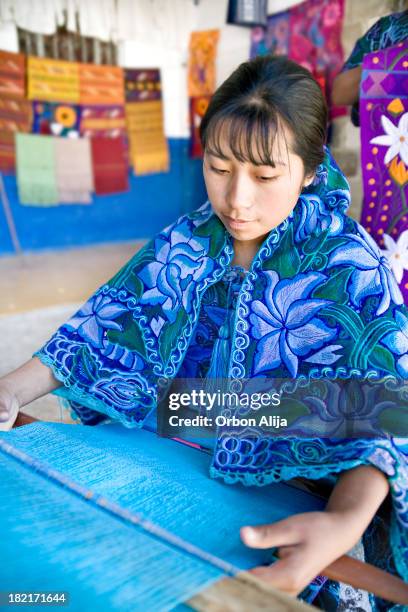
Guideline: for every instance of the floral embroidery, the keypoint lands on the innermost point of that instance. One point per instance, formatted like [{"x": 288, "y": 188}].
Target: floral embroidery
[
  {"x": 397, "y": 342},
  {"x": 397, "y": 254},
  {"x": 179, "y": 260},
  {"x": 285, "y": 323},
  {"x": 396, "y": 138},
  {"x": 96, "y": 316},
  {"x": 372, "y": 274}
]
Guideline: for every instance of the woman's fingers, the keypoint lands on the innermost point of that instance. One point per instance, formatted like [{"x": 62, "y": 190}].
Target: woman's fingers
[
  {"x": 8, "y": 409},
  {"x": 282, "y": 533},
  {"x": 286, "y": 574}
]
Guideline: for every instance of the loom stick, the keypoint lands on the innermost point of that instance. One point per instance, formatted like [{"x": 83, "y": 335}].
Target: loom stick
[
  {"x": 245, "y": 592},
  {"x": 368, "y": 577}
]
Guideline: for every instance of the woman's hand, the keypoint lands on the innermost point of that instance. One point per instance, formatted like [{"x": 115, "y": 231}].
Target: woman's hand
[
  {"x": 307, "y": 543},
  {"x": 9, "y": 406}
]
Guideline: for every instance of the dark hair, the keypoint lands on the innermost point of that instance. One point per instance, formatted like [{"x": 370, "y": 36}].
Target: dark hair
[{"x": 256, "y": 99}]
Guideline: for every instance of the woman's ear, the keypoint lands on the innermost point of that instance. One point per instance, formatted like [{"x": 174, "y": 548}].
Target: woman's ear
[{"x": 308, "y": 180}]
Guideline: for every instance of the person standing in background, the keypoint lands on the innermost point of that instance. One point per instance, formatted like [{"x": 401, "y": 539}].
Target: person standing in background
[
  {"x": 373, "y": 80},
  {"x": 386, "y": 32}
]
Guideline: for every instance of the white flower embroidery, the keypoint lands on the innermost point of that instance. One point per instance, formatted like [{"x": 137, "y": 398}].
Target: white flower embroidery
[
  {"x": 397, "y": 254},
  {"x": 396, "y": 138}
]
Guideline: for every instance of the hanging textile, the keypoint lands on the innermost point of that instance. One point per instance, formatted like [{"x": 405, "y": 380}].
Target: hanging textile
[
  {"x": 57, "y": 119},
  {"x": 142, "y": 84},
  {"x": 384, "y": 154},
  {"x": 101, "y": 84},
  {"x": 274, "y": 38},
  {"x": 52, "y": 80},
  {"x": 198, "y": 107},
  {"x": 309, "y": 34},
  {"x": 104, "y": 121},
  {"x": 201, "y": 65},
  {"x": 15, "y": 116},
  {"x": 12, "y": 74},
  {"x": 36, "y": 177},
  {"x": 109, "y": 164},
  {"x": 73, "y": 164},
  {"x": 247, "y": 12},
  {"x": 7, "y": 152},
  {"x": 15, "y": 110},
  {"x": 148, "y": 150},
  {"x": 144, "y": 120}
]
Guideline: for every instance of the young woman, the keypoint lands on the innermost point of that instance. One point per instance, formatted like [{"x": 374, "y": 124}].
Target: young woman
[{"x": 269, "y": 279}]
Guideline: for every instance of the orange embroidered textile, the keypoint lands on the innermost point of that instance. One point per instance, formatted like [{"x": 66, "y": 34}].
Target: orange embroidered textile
[
  {"x": 103, "y": 120},
  {"x": 12, "y": 75},
  {"x": 7, "y": 152},
  {"x": 148, "y": 151},
  {"x": 52, "y": 80},
  {"x": 201, "y": 65},
  {"x": 198, "y": 107},
  {"x": 15, "y": 116},
  {"x": 101, "y": 84}
]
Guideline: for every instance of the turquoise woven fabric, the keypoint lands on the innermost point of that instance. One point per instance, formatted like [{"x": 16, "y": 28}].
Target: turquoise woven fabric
[{"x": 54, "y": 538}]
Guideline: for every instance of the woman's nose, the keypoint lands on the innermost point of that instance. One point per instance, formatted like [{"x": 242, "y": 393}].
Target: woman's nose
[{"x": 239, "y": 196}]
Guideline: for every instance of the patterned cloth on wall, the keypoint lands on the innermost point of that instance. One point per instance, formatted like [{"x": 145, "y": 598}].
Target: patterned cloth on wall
[
  {"x": 272, "y": 39},
  {"x": 12, "y": 74},
  {"x": 384, "y": 154},
  {"x": 7, "y": 152},
  {"x": 101, "y": 84},
  {"x": 148, "y": 150},
  {"x": 110, "y": 171},
  {"x": 198, "y": 107},
  {"x": 36, "y": 177},
  {"x": 104, "y": 121},
  {"x": 15, "y": 110},
  {"x": 142, "y": 84},
  {"x": 73, "y": 166},
  {"x": 52, "y": 80},
  {"x": 15, "y": 116},
  {"x": 201, "y": 65},
  {"x": 309, "y": 34},
  {"x": 57, "y": 119}
]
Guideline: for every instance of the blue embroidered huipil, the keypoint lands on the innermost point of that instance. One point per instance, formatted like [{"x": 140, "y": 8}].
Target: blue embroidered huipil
[
  {"x": 319, "y": 304},
  {"x": 209, "y": 351}
]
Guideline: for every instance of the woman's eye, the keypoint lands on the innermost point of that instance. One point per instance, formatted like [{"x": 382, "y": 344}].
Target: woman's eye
[
  {"x": 218, "y": 170},
  {"x": 267, "y": 179}
]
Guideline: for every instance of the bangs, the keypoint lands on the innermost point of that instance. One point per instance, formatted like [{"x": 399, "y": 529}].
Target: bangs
[{"x": 252, "y": 134}]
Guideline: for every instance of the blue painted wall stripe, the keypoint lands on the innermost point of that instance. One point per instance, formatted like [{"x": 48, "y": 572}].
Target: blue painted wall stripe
[{"x": 151, "y": 203}]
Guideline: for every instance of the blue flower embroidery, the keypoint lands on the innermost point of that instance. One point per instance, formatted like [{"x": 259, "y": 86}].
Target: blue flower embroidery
[
  {"x": 180, "y": 260},
  {"x": 397, "y": 342},
  {"x": 346, "y": 409},
  {"x": 320, "y": 175},
  {"x": 95, "y": 317},
  {"x": 285, "y": 323},
  {"x": 317, "y": 215},
  {"x": 372, "y": 274}
]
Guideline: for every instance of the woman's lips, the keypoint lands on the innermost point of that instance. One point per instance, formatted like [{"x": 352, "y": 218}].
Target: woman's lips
[{"x": 237, "y": 223}]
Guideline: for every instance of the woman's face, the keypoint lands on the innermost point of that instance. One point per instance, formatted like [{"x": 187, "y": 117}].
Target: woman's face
[{"x": 251, "y": 199}]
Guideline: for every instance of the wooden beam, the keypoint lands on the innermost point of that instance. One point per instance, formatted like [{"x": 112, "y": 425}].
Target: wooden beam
[{"x": 242, "y": 593}]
